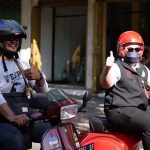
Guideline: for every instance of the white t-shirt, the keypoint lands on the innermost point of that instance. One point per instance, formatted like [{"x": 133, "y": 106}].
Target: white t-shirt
[
  {"x": 116, "y": 73},
  {"x": 12, "y": 80}
]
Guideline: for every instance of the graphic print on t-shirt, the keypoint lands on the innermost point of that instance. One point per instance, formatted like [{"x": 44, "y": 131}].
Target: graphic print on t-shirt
[
  {"x": 17, "y": 87},
  {"x": 16, "y": 80},
  {"x": 13, "y": 77}
]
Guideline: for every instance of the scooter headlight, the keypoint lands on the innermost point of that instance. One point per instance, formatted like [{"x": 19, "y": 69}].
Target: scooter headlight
[{"x": 69, "y": 111}]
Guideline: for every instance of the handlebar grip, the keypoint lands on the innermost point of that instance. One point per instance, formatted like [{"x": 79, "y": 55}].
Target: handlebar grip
[{"x": 36, "y": 116}]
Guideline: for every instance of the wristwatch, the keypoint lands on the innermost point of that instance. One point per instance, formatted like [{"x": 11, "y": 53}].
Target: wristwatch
[{"x": 41, "y": 76}]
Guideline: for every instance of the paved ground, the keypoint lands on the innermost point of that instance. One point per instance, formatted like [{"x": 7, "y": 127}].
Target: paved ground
[{"x": 94, "y": 107}]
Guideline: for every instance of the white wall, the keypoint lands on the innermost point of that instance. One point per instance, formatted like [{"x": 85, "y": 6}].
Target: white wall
[{"x": 25, "y": 52}]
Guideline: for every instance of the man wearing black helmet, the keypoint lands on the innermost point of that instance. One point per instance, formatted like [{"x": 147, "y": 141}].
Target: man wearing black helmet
[{"x": 11, "y": 34}]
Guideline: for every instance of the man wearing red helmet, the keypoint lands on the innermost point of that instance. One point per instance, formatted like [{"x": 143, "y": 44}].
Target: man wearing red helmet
[{"x": 125, "y": 80}]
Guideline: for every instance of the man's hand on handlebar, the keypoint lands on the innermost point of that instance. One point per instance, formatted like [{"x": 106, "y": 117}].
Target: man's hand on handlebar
[{"x": 19, "y": 120}]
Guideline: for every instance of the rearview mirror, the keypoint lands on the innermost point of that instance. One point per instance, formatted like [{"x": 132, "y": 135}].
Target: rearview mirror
[{"x": 86, "y": 97}]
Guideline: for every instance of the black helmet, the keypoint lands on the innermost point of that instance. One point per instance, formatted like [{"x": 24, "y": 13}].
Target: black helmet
[{"x": 10, "y": 28}]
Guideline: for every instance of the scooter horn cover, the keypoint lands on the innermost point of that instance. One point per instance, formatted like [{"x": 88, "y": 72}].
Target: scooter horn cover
[{"x": 129, "y": 38}]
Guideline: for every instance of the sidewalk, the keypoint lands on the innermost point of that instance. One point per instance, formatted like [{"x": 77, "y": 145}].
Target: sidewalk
[{"x": 94, "y": 107}]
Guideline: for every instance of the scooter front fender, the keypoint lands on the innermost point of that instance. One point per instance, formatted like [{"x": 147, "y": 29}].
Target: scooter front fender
[{"x": 108, "y": 141}]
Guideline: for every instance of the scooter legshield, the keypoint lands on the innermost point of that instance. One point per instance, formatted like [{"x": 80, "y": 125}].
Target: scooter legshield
[{"x": 61, "y": 137}]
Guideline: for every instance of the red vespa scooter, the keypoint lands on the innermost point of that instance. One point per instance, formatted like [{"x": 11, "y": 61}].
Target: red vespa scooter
[
  {"x": 102, "y": 135},
  {"x": 55, "y": 107}
]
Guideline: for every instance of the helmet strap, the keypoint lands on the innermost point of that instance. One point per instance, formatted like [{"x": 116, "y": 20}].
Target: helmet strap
[
  {"x": 8, "y": 53},
  {"x": 3, "y": 61}
]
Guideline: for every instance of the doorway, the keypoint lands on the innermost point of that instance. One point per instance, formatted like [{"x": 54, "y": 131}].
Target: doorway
[
  {"x": 69, "y": 34},
  {"x": 124, "y": 16}
]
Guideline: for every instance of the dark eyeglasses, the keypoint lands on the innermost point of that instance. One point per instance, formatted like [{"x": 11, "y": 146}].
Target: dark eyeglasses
[
  {"x": 134, "y": 49},
  {"x": 10, "y": 39}
]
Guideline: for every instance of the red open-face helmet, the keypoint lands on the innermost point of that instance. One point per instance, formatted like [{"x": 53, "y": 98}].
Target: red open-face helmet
[{"x": 129, "y": 38}]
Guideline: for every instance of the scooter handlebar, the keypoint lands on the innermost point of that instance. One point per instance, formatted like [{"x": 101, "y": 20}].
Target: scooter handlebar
[{"x": 36, "y": 116}]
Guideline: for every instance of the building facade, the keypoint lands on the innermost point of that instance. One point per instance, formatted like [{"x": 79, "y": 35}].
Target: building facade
[{"x": 69, "y": 40}]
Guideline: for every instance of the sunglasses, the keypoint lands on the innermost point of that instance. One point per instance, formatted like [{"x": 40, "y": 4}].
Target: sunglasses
[
  {"x": 10, "y": 39},
  {"x": 134, "y": 49}
]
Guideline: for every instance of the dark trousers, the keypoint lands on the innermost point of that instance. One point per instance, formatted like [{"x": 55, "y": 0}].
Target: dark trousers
[
  {"x": 132, "y": 119},
  {"x": 12, "y": 138}
]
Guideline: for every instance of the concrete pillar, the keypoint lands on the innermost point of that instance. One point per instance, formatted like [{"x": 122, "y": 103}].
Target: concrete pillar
[
  {"x": 25, "y": 52},
  {"x": 89, "y": 49}
]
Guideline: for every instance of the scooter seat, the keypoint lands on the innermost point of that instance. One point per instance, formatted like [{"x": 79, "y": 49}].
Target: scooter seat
[
  {"x": 98, "y": 124},
  {"x": 102, "y": 125}
]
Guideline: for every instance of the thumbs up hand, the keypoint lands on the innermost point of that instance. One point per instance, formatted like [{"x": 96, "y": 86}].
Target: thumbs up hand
[
  {"x": 31, "y": 73},
  {"x": 110, "y": 60},
  {"x": 30, "y": 62}
]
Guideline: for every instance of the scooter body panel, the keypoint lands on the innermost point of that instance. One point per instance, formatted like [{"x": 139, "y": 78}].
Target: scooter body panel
[
  {"x": 61, "y": 137},
  {"x": 111, "y": 141}
]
